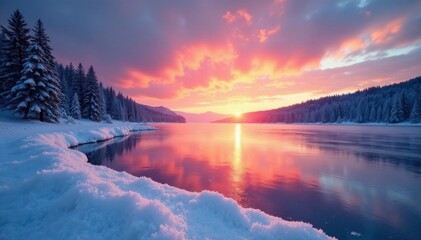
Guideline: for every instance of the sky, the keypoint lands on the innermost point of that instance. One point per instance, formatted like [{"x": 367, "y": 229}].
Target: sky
[{"x": 233, "y": 56}]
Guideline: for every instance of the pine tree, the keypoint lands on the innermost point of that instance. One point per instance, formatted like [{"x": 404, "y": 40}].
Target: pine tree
[
  {"x": 366, "y": 113},
  {"x": 379, "y": 117},
  {"x": 31, "y": 94},
  {"x": 54, "y": 91},
  {"x": 40, "y": 37},
  {"x": 116, "y": 109},
  {"x": 416, "y": 109},
  {"x": 69, "y": 73},
  {"x": 396, "y": 112},
  {"x": 102, "y": 104},
  {"x": 360, "y": 111},
  {"x": 65, "y": 101},
  {"x": 416, "y": 113},
  {"x": 405, "y": 106},
  {"x": 75, "y": 107},
  {"x": 373, "y": 116},
  {"x": 110, "y": 95},
  {"x": 352, "y": 113},
  {"x": 78, "y": 85},
  {"x": 56, "y": 96},
  {"x": 91, "y": 96},
  {"x": 14, "y": 50},
  {"x": 121, "y": 108},
  {"x": 324, "y": 116},
  {"x": 386, "y": 110},
  {"x": 131, "y": 114},
  {"x": 3, "y": 44}
]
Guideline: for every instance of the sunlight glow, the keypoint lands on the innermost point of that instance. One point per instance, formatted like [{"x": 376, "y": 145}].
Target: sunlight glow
[
  {"x": 237, "y": 165},
  {"x": 237, "y": 114}
]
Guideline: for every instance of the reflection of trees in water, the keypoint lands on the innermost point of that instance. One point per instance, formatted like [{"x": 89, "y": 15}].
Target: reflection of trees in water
[
  {"x": 381, "y": 148},
  {"x": 110, "y": 150}
]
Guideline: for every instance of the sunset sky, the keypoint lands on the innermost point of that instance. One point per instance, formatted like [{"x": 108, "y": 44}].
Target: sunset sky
[{"x": 233, "y": 56}]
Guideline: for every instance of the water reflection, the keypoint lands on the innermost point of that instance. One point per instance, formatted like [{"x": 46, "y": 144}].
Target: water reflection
[
  {"x": 340, "y": 179},
  {"x": 237, "y": 167}
]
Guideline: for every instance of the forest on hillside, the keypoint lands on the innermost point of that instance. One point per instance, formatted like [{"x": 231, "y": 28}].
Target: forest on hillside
[
  {"x": 35, "y": 86},
  {"x": 395, "y": 103}
]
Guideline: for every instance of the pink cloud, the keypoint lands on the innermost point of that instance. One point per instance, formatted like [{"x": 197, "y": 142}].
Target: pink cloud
[
  {"x": 240, "y": 14},
  {"x": 229, "y": 17},
  {"x": 386, "y": 33},
  {"x": 264, "y": 34}
]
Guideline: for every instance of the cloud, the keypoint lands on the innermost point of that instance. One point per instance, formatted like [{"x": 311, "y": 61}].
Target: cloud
[
  {"x": 241, "y": 14},
  {"x": 264, "y": 34}
]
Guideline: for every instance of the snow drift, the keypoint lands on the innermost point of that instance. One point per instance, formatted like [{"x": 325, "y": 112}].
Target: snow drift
[{"x": 48, "y": 191}]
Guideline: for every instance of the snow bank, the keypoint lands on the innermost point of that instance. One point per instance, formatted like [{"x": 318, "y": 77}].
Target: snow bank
[{"x": 48, "y": 191}]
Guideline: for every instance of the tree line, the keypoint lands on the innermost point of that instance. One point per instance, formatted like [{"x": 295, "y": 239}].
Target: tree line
[
  {"x": 389, "y": 104},
  {"x": 34, "y": 85}
]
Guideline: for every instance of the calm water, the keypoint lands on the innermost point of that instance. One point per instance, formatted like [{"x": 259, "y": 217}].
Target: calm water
[{"x": 354, "y": 182}]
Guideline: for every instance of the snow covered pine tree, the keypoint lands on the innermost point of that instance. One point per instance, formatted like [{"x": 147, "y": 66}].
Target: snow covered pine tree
[
  {"x": 53, "y": 89},
  {"x": 91, "y": 98},
  {"x": 75, "y": 107},
  {"x": 14, "y": 47},
  {"x": 31, "y": 93}
]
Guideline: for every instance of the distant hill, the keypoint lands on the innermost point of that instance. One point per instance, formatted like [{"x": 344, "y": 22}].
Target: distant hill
[
  {"x": 389, "y": 104},
  {"x": 161, "y": 109},
  {"x": 205, "y": 117},
  {"x": 158, "y": 114}
]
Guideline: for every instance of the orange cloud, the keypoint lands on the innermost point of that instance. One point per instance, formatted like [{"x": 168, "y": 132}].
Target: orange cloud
[
  {"x": 353, "y": 44},
  {"x": 245, "y": 15},
  {"x": 279, "y": 1},
  {"x": 386, "y": 33},
  {"x": 347, "y": 47},
  {"x": 197, "y": 67},
  {"x": 229, "y": 17},
  {"x": 241, "y": 14},
  {"x": 135, "y": 79},
  {"x": 203, "y": 76},
  {"x": 192, "y": 56},
  {"x": 264, "y": 34}
]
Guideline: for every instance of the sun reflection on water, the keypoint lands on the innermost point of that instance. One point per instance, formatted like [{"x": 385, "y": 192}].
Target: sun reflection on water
[{"x": 237, "y": 165}]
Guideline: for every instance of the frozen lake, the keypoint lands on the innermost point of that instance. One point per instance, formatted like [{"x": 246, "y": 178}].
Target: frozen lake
[{"x": 354, "y": 182}]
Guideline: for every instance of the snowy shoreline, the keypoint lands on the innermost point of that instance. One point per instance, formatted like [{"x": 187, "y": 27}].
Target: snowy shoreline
[
  {"x": 48, "y": 191},
  {"x": 131, "y": 130}
]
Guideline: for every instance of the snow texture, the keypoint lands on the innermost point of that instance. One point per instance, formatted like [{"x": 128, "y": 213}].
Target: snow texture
[{"x": 48, "y": 191}]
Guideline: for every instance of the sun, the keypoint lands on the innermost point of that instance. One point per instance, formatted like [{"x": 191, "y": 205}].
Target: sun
[{"x": 237, "y": 114}]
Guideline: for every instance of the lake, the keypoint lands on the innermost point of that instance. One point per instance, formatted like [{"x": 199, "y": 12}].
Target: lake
[{"x": 354, "y": 182}]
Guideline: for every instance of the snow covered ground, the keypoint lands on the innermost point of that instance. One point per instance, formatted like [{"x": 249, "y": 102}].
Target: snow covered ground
[{"x": 48, "y": 191}]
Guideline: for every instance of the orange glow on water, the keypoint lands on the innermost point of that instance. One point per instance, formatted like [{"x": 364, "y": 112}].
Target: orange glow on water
[{"x": 235, "y": 148}]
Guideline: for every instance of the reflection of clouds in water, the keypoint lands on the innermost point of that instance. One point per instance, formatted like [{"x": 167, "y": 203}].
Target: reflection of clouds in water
[
  {"x": 393, "y": 145},
  {"x": 372, "y": 195},
  {"x": 276, "y": 167}
]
